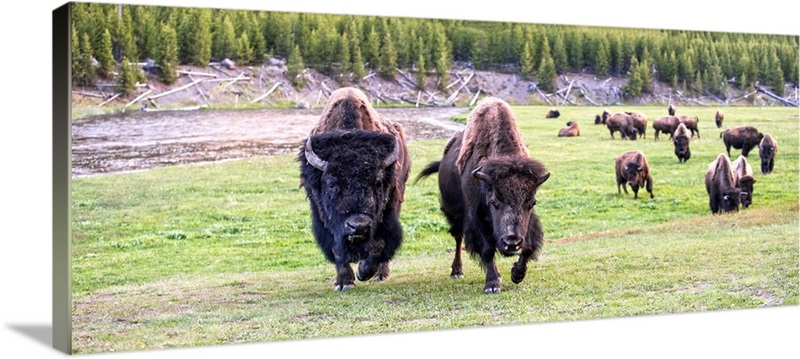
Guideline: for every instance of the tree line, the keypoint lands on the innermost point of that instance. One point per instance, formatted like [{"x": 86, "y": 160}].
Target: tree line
[{"x": 108, "y": 39}]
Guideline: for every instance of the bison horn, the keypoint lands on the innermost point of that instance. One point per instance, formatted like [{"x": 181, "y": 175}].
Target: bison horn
[
  {"x": 392, "y": 158},
  {"x": 313, "y": 159},
  {"x": 480, "y": 175}
]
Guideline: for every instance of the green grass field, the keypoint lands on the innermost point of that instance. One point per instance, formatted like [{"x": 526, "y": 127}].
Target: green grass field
[{"x": 223, "y": 253}]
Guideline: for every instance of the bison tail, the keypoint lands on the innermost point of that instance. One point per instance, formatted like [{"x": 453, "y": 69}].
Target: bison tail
[{"x": 430, "y": 169}]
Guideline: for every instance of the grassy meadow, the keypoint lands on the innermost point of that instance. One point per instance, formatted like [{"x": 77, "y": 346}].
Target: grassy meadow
[{"x": 223, "y": 253}]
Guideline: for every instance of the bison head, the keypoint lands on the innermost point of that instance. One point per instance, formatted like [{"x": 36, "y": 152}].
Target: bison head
[
  {"x": 731, "y": 199},
  {"x": 349, "y": 176},
  {"x": 681, "y": 147},
  {"x": 508, "y": 194},
  {"x": 634, "y": 173},
  {"x": 745, "y": 184}
]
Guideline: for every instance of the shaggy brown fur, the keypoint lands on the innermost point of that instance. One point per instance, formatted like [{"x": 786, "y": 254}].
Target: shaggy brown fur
[
  {"x": 681, "y": 139},
  {"x": 718, "y": 117},
  {"x": 666, "y": 124},
  {"x": 742, "y": 137},
  {"x": 767, "y": 150},
  {"x": 553, "y": 114},
  {"x": 671, "y": 110},
  {"x": 491, "y": 131},
  {"x": 723, "y": 196},
  {"x": 571, "y": 130},
  {"x": 743, "y": 174},
  {"x": 632, "y": 169},
  {"x": 602, "y": 118},
  {"x": 639, "y": 122},
  {"x": 623, "y": 123},
  {"x": 691, "y": 124}
]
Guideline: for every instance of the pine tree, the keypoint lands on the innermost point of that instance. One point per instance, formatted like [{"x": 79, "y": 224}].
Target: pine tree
[
  {"x": 422, "y": 70},
  {"x": 167, "y": 57},
  {"x": 128, "y": 75},
  {"x": 126, "y": 39},
  {"x": 646, "y": 76},
  {"x": 105, "y": 56},
  {"x": 359, "y": 70},
  {"x": 224, "y": 40},
  {"x": 633, "y": 88},
  {"x": 442, "y": 60},
  {"x": 774, "y": 76},
  {"x": 295, "y": 67},
  {"x": 389, "y": 58},
  {"x": 77, "y": 67},
  {"x": 560, "y": 54},
  {"x": 245, "y": 51},
  {"x": 547, "y": 73},
  {"x": 602, "y": 65},
  {"x": 526, "y": 67},
  {"x": 343, "y": 52},
  {"x": 87, "y": 69},
  {"x": 372, "y": 49}
]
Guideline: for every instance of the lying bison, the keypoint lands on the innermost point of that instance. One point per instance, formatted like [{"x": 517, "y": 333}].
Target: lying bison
[
  {"x": 632, "y": 169},
  {"x": 553, "y": 113},
  {"x": 743, "y": 137},
  {"x": 691, "y": 124},
  {"x": 666, "y": 124},
  {"x": 354, "y": 168},
  {"x": 743, "y": 174},
  {"x": 488, "y": 186},
  {"x": 767, "y": 149},
  {"x": 571, "y": 130},
  {"x": 681, "y": 139},
  {"x": 718, "y": 117},
  {"x": 723, "y": 196},
  {"x": 671, "y": 110},
  {"x": 623, "y": 123},
  {"x": 639, "y": 122}
]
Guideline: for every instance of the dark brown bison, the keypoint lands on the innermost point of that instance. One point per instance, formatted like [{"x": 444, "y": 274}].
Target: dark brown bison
[
  {"x": 488, "y": 186},
  {"x": 743, "y": 137},
  {"x": 354, "y": 167},
  {"x": 623, "y": 123},
  {"x": 671, "y": 110},
  {"x": 723, "y": 196},
  {"x": 666, "y": 124},
  {"x": 681, "y": 139},
  {"x": 639, "y": 122},
  {"x": 767, "y": 149},
  {"x": 553, "y": 113},
  {"x": 632, "y": 169},
  {"x": 571, "y": 130},
  {"x": 743, "y": 174},
  {"x": 718, "y": 117},
  {"x": 691, "y": 124},
  {"x": 602, "y": 118}
]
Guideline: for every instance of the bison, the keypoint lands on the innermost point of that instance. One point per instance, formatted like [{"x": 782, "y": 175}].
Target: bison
[
  {"x": 666, "y": 124},
  {"x": 671, "y": 110},
  {"x": 354, "y": 167},
  {"x": 488, "y": 186},
  {"x": 553, "y": 113},
  {"x": 718, "y": 117},
  {"x": 623, "y": 123},
  {"x": 743, "y": 137},
  {"x": 639, "y": 122},
  {"x": 691, "y": 124},
  {"x": 602, "y": 118},
  {"x": 681, "y": 139},
  {"x": 632, "y": 169},
  {"x": 767, "y": 149},
  {"x": 571, "y": 130},
  {"x": 743, "y": 174},
  {"x": 723, "y": 196}
]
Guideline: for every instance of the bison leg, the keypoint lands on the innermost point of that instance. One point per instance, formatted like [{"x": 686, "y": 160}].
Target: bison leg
[
  {"x": 456, "y": 269},
  {"x": 370, "y": 266},
  {"x": 344, "y": 277},
  {"x": 493, "y": 277},
  {"x": 746, "y": 150},
  {"x": 383, "y": 272},
  {"x": 612, "y": 133},
  {"x": 520, "y": 268},
  {"x": 649, "y": 186},
  {"x": 635, "y": 192},
  {"x": 771, "y": 164}
]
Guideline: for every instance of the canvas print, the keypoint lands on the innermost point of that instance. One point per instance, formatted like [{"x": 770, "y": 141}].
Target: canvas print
[{"x": 251, "y": 176}]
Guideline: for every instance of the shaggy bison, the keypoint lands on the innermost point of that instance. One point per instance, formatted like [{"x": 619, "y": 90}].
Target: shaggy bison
[
  {"x": 723, "y": 196},
  {"x": 639, "y": 122},
  {"x": 623, "y": 123},
  {"x": 632, "y": 169},
  {"x": 354, "y": 168},
  {"x": 691, "y": 124},
  {"x": 718, "y": 117},
  {"x": 743, "y": 174},
  {"x": 767, "y": 149},
  {"x": 602, "y": 118},
  {"x": 553, "y": 113},
  {"x": 681, "y": 139},
  {"x": 488, "y": 186},
  {"x": 743, "y": 137},
  {"x": 666, "y": 124},
  {"x": 671, "y": 110},
  {"x": 571, "y": 130}
]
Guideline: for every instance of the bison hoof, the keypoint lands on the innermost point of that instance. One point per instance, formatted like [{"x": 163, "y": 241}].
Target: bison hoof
[
  {"x": 491, "y": 289},
  {"x": 381, "y": 277},
  {"x": 364, "y": 273},
  {"x": 456, "y": 276},
  {"x": 517, "y": 275},
  {"x": 343, "y": 287}
]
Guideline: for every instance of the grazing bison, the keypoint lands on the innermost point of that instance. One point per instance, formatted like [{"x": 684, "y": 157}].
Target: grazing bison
[
  {"x": 553, "y": 114},
  {"x": 691, "y": 124},
  {"x": 743, "y": 137},
  {"x": 639, "y": 122},
  {"x": 743, "y": 174},
  {"x": 767, "y": 149},
  {"x": 723, "y": 196},
  {"x": 718, "y": 117},
  {"x": 681, "y": 139},
  {"x": 671, "y": 110},
  {"x": 571, "y": 130},
  {"x": 354, "y": 168},
  {"x": 632, "y": 169},
  {"x": 667, "y": 125},
  {"x": 488, "y": 186},
  {"x": 623, "y": 123}
]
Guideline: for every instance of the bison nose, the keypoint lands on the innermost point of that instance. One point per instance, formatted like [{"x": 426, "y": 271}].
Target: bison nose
[
  {"x": 512, "y": 241},
  {"x": 357, "y": 225}
]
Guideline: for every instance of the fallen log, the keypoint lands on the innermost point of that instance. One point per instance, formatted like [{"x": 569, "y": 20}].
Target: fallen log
[
  {"x": 136, "y": 99},
  {"x": 109, "y": 100},
  {"x": 200, "y": 90},
  {"x": 475, "y": 98},
  {"x": 92, "y": 94},
  {"x": 259, "y": 98},
  {"x": 197, "y": 73},
  {"x": 744, "y": 97},
  {"x": 176, "y": 89},
  {"x": 536, "y": 87},
  {"x": 586, "y": 96},
  {"x": 243, "y": 78},
  {"x": 774, "y": 96},
  {"x": 566, "y": 95}
]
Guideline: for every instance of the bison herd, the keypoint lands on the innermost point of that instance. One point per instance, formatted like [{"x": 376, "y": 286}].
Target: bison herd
[{"x": 354, "y": 166}]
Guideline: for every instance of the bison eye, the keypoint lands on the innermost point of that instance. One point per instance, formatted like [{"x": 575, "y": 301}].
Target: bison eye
[{"x": 493, "y": 203}]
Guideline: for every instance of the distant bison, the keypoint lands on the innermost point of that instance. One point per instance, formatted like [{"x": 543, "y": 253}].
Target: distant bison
[
  {"x": 671, "y": 110},
  {"x": 602, "y": 118},
  {"x": 639, "y": 122},
  {"x": 743, "y": 137},
  {"x": 553, "y": 113},
  {"x": 623, "y": 123},
  {"x": 571, "y": 130},
  {"x": 681, "y": 139},
  {"x": 488, "y": 186},
  {"x": 632, "y": 169},
  {"x": 354, "y": 168},
  {"x": 767, "y": 149},
  {"x": 667, "y": 125},
  {"x": 743, "y": 174},
  {"x": 723, "y": 196},
  {"x": 691, "y": 124},
  {"x": 718, "y": 117}
]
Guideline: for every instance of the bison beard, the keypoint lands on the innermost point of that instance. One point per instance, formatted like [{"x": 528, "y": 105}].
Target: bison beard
[{"x": 349, "y": 180}]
